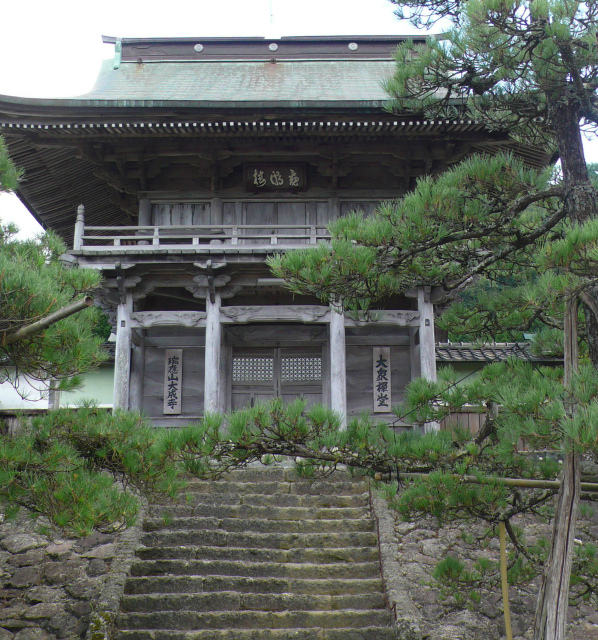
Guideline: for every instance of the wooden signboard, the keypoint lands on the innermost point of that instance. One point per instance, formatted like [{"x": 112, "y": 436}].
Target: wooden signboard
[
  {"x": 382, "y": 393},
  {"x": 173, "y": 381},
  {"x": 267, "y": 177}
]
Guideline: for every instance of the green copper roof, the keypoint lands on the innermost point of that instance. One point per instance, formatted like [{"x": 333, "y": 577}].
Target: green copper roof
[{"x": 290, "y": 82}]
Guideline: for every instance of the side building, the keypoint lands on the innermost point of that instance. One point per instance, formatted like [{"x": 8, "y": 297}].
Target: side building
[{"x": 193, "y": 160}]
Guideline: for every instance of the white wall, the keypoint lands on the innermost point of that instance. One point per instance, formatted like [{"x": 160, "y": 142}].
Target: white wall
[{"x": 35, "y": 392}]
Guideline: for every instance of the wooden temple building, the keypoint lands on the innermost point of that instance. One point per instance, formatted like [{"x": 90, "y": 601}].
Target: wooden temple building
[{"x": 189, "y": 163}]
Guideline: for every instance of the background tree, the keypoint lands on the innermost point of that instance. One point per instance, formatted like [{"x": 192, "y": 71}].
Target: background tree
[{"x": 40, "y": 337}]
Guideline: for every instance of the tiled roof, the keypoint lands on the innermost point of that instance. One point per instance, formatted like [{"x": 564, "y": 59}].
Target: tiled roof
[
  {"x": 498, "y": 351},
  {"x": 287, "y": 81}
]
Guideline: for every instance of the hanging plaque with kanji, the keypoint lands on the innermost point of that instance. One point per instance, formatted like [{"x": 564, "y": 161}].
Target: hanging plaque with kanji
[
  {"x": 173, "y": 381},
  {"x": 382, "y": 387},
  {"x": 282, "y": 176}
]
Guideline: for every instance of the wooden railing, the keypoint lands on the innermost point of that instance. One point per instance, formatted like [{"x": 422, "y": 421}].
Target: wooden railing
[{"x": 165, "y": 237}]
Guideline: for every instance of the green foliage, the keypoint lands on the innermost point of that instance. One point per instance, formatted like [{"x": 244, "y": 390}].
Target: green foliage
[
  {"x": 9, "y": 174},
  {"x": 476, "y": 218},
  {"x": 84, "y": 469},
  {"x": 509, "y": 64},
  {"x": 34, "y": 284}
]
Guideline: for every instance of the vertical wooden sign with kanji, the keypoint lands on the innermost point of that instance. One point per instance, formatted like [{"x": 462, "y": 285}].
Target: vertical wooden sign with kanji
[
  {"x": 382, "y": 394},
  {"x": 173, "y": 381}
]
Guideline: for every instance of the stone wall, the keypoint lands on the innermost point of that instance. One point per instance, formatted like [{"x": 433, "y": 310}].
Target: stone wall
[
  {"x": 412, "y": 552},
  {"x": 49, "y": 584}
]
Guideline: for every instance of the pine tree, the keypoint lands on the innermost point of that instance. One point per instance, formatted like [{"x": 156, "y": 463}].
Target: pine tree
[
  {"x": 41, "y": 338},
  {"x": 81, "y": 469},
  {"x": 529, "y": 68}
]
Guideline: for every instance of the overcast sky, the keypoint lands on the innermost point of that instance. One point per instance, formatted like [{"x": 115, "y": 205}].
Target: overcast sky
[{"x": 53, "y": 48}]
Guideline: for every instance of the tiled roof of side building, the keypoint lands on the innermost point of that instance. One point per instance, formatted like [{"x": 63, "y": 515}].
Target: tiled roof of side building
[{"x": 495, "y": 352}]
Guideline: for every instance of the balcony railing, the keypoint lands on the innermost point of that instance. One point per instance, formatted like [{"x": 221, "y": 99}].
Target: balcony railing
[{"x": 157, "y": 238}]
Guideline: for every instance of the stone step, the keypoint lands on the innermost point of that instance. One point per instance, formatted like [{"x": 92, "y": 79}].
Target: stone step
[
  {"x": 248, "y": 584},
  {"x": 365, "y": 633},
  {"x": 235, "y": 601},
  {"x": 219, "y": 538},
  {"x": 340, "y": 554},
  {"x": 258, "y": 555},
  {"x": 315, "y": 488},
  {"x": 255, "y": 569},
  {"x": 196, "y": 620},
  {"x": 248, "y": 512},
  {"x": 286, "y": 473},
  {"x": 283, "y": 500},
  {"x": 261, "y": 525}
]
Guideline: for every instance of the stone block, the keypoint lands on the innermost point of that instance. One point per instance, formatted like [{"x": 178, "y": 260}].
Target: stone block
[
  {"x": 32, "y": 633},
  {"x": 20, "y": 542},
  {"x": 96, "y": 568},
  {"x": 28, "y": 558},
  {"x": 25, "y": 577}
]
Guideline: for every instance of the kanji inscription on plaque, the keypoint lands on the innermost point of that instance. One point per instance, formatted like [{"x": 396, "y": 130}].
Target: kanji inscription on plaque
[
  {"x": 382, "y": 386},
  {"x": 274, "y": 177},
  {"x": 173, "y": 381}
]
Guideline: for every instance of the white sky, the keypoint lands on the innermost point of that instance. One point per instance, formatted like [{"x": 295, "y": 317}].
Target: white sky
[{"x": 53, "y": 48}]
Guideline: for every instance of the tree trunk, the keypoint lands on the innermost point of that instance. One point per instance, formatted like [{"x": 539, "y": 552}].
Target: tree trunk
[
  {"x": 553, "y": 597},
  {"x": 581, "y": 199}
]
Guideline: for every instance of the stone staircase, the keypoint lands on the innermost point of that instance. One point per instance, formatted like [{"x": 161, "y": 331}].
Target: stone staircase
[{"x": 261, "y": 554}]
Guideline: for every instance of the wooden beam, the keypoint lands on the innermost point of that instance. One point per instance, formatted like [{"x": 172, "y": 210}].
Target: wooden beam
[
  {"x": 314, "y": 313},
  {"x": 148, "y": 319},
  {"x": 279, "y": 313},
  {"x": 385, "y": 317}
]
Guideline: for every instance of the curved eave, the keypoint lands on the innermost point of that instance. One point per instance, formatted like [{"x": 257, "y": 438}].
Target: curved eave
[{"x": 76, "y": 107}]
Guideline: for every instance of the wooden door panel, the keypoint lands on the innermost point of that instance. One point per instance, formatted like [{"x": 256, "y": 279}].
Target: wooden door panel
[
  {"x": 262, "y": 214},
  {"x": 292, "y": 213},
  {"x": 260, "y": 375}
]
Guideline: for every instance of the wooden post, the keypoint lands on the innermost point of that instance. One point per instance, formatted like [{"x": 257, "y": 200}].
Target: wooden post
[
  {"x": 414, "y": 353},
  {"x": 137, "y": 372},
  {"x": 338, "y": 365},
  {"x": 122, "y": 358},
  {"x": 79, "y": 228},
  {"x": 553, "y": 597},
  {"x": 216, "y": 211},
  {"x": 211, "y": 399},
  {"x": 427, "y": 343},
  {"x": 54, "y": 395},
  {"x": 145, "y": 217},
  {"x": 503, "y": 578}
]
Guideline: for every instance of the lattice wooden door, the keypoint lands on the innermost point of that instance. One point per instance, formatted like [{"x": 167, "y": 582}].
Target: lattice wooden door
[{"x": 263, "y": 374}]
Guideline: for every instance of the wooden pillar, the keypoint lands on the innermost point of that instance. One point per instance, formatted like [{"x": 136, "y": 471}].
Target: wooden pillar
[
  {"x": 213, "y": 375},
  {"x": 54, "y": 395},
  {"x": 145, "y": 217},
  {"x": 122, "y": 358},
  {"x": 427, "y": 343},
  {"x": 79, "y": 228},
  {"x": 414, "y": 353},
  {"x": 137, "y": 371},
  {"x": 145, "y": 212},
  {"x": 216, "y": 211},
  {"x": 338, "y": 365}
]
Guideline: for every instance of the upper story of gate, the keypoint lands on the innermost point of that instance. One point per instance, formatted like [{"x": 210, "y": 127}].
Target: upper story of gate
[{"x": 227, "y": 146}]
